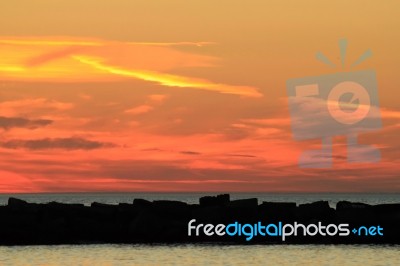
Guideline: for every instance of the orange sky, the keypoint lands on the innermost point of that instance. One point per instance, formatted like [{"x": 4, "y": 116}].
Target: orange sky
[{"x": 182, "y": 95}]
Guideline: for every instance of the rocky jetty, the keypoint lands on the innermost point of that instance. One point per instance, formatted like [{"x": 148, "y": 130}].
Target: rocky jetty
[{"x": 163, "y": 221}]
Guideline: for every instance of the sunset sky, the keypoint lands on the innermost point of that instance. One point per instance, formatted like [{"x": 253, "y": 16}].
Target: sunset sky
[{"x": 143, "y": 95}]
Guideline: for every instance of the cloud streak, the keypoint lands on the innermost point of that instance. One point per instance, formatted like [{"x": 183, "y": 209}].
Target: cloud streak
[
  {"x": 170, "y": 80},
  {"x": 20, "y": 122},
  {"x": 56, "y": 143},
  {"x": 71, "y": 59}
]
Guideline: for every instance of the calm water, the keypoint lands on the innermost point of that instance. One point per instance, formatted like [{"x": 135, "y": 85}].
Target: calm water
[
  {"x": 121, "y": 255},
  {"x": 115, "y": 198}
]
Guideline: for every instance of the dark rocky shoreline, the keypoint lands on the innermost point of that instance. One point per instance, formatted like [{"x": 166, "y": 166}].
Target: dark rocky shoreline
[{"x": 23, "y": 223}]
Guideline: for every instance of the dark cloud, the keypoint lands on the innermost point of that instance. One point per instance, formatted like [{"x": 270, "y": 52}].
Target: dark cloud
[
  {"x": 12, "y": 122},
  {"x": 181, "y": 152},
  {"x": 190, "y": 152},
  {"x": 152, "y": 149},
  {"x": 56, "y": 143},
  {"x": 242, "y": 155},
  {"x": 329, "y": 156}
]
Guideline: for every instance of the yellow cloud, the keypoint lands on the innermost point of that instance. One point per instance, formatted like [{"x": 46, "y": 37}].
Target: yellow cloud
[
  {"x": 170, "y": 80},
  {"x": 71, "y": 59}
]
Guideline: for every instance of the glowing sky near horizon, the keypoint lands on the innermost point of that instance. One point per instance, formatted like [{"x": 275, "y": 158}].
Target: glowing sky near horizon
[{"x": 182, "y": 96}]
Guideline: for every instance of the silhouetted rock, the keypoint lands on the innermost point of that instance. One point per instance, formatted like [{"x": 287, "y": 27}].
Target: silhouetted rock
[
  {"x": 171, "y": 209},
  {"x": 104, "y": 209},
  {"x": 245, "y": 203},
  {"x": 354, "y": 212},
  {"x": 165, "y": 221},
  {"x": 219, "y": 200},
  {"x": 169, "y": 204},
  {"x": 386, "y": 208},
  {"x": 211, "y": 214},
  {"x": 57, "y": 208},
  {"x": 141, "y": 202},
  {"x": 277, "y": 211},
  {"x": 17, "y": 204},
  {"x": 318, "y": 210},
  {"x": 346, "y": 205}
]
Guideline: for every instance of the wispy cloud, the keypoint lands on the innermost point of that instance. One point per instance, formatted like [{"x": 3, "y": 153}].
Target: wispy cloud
[
  {"x": 20, "y": 122},
  {"x": 141, "y": 109},
  {"x": 170, "y": 80},
  {"x": 28, "y": 105},
  {"x": 56, "y": 143},
  {"x": 71, "y": 59}
]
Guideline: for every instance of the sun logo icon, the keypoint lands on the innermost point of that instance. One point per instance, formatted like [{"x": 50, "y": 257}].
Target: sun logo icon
[{"x": 344, "y": 103}]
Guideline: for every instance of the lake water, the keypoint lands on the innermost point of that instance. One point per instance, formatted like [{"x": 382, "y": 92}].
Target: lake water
[{"x": 121, "y": 255}]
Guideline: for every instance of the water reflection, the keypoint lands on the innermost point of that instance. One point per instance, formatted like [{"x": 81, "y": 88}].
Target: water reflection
[{"x": 120, "y": 255}]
